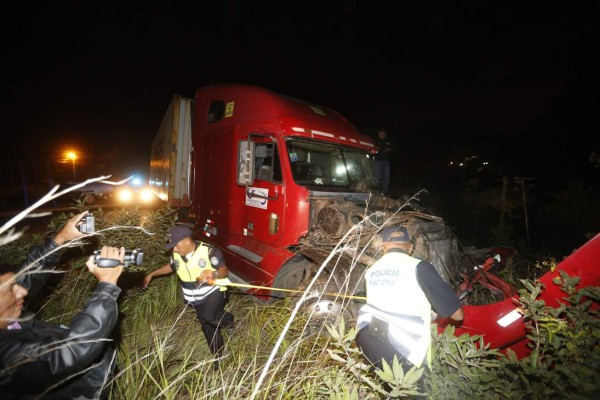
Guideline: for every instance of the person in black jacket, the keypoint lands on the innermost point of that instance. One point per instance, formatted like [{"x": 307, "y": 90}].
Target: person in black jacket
[{"x": 48, "y": 361}]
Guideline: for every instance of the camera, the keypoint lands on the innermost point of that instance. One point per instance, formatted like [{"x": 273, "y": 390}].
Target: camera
[
  {"x": 135, "y": 257},
  {"x": 88, "y": 224}
]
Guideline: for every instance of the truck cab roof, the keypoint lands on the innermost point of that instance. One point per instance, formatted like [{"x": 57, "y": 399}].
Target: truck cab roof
[{"x": 230, "y": 103}]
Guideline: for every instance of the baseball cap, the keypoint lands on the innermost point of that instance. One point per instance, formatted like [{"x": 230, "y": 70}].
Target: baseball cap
[
  {"x": 396, "y": 233},
  {"x": 176, "y": 234}
]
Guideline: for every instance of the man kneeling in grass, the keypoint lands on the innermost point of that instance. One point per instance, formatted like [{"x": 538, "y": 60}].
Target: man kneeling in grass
[{"x": 401, "y": 291}]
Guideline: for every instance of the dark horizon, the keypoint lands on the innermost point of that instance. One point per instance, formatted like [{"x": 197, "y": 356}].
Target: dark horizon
[{"x": 515, "y": 86}]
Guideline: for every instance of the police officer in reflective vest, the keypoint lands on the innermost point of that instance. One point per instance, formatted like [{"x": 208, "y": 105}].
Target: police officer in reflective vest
[
  {"x": 199, "y": 266},
  {"x": 401, "y": 291}
]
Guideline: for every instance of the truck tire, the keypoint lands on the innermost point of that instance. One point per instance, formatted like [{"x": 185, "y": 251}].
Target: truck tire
[
  {"x": 321, "y": 305},
  {"x": 291, "y": 275},
  {"x": 89, "y": 199}
]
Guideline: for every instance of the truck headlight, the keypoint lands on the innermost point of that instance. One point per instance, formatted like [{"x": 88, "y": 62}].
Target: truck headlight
[
  {"x": 125, "y": 195},
  {"x": 145, "y": 195}
]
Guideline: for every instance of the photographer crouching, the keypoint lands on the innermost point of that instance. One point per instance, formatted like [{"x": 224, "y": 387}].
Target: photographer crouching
[{"x": 48, "y": 361}]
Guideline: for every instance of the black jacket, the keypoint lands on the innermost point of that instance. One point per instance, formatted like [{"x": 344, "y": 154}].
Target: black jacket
[
  {"x": 382, "y": 145},
  {"x": 41, "y": 355}
]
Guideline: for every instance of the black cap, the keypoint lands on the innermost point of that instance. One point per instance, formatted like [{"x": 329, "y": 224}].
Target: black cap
[
  {"x": 176, "y": 234},
  {"x": 396, "y": 233}
]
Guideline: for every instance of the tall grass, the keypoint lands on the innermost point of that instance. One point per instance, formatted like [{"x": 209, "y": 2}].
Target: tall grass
[{"x": 162, "y": 353}]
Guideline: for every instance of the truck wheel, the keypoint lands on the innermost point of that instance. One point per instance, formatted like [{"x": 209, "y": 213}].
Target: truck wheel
[
  {"x": 291, "y": 275},
  {"x": 322, "y": 306},
  {"x": 89, "y": 199}
]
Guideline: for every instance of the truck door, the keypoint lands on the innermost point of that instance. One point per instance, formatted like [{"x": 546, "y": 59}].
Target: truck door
[{"x": 264, "y": 204}]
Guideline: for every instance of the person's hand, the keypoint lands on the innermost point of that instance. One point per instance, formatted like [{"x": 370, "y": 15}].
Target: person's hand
[
  {"x": 207, "y": 276},
  {"x": 146, "y": 281},
  {"x": 70, "y": 231},
  {"x": 110, "y": 275},
  {"x": 444, "y": 322}
]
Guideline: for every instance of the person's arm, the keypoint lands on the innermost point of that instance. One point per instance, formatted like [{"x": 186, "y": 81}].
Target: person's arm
[
  {"x": 70, "y": 231},
  {"x": 43, "y": 355},
  {"x": 220, "y": 270},
  {"x": 440, "y": 295},
  {"x": 458, "y": 315},
  {"x": 389, "y": 146},
  {"x": 33, "y": 273},
  {"x": 164, "y": 270}
]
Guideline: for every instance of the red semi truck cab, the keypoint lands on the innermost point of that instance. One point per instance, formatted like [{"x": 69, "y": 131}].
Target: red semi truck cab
[
  {"x": 257, "y": 172},
  {"x": 258, "y": 160}
]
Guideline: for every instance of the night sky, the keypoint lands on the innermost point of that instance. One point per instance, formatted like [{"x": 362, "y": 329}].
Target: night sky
[{"x": 446, "y": 80}]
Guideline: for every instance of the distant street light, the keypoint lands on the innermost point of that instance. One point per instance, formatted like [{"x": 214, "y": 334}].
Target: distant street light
[{"x": 73, "y": 156}]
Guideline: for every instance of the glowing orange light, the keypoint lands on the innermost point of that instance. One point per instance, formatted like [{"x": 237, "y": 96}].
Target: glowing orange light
[{"x": 71, "y": 155}]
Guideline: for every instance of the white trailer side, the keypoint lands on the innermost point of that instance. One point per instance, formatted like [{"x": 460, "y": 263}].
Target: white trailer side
[{"x": 170, "y": 157}]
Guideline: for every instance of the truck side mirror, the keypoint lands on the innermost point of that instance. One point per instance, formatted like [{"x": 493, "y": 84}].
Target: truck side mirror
[{"x": 245, "y": 167}]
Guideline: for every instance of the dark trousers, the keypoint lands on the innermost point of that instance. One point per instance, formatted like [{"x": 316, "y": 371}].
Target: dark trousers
[
  {"x": 213, "y": 317},
  {"x": 382, "y": 173},
  {"x": 374, "y": 349}
]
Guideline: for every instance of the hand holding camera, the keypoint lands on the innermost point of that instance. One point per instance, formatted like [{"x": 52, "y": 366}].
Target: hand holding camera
[
  {"x": 72, "y": 229},
  {"x": 87, "y": 224},
  {"x": 109, "y": 275},
  {"x": 135, "y": 257}
]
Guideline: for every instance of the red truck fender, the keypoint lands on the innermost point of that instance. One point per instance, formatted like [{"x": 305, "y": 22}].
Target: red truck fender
[{"x": 502, "y": 326}]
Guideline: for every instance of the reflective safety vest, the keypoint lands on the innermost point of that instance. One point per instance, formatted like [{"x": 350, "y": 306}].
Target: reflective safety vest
[
  {"x": 187, "y": 272},
  {"x": 394, "y": 296}
]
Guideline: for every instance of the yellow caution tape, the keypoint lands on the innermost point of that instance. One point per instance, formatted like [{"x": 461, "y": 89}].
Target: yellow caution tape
[{"x": 241, "y": 285}]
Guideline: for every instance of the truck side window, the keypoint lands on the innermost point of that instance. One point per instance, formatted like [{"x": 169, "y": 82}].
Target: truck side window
[
  {"x": 216, "y": 110},
  {"x": 266, "y": 162}
]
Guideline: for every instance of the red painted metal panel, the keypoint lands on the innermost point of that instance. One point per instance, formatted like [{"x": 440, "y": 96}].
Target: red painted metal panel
[{"x": 484, "y": 319}]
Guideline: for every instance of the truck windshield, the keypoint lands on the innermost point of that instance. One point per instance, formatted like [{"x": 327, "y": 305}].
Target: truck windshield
[{"x": 315, "y": 163}]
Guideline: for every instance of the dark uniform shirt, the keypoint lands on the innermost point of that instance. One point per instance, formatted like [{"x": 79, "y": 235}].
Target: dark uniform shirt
[{"x": 382, "y": 145}]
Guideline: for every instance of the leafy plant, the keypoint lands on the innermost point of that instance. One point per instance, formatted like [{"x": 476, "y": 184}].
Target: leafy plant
[
  {"x": 465, "y": 367},
  {"x": 565, "y": 343}
]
